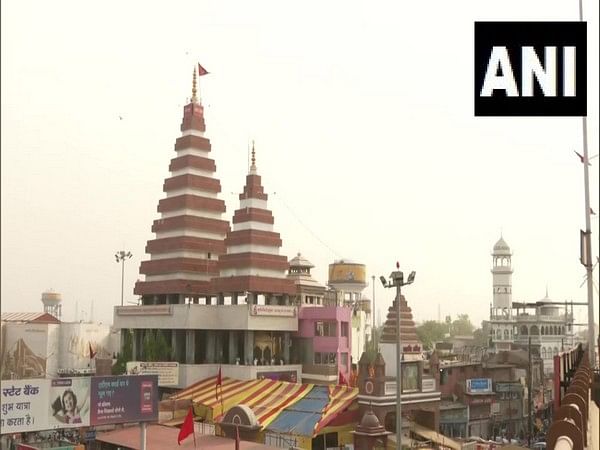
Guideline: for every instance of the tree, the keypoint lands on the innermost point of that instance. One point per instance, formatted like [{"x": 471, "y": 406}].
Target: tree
[
  {"x": 430, "y": 332},
  {"x": 126, "y": 353},
  {"x": 154, "y": 346},
  {"x": 462, "y": 326}
]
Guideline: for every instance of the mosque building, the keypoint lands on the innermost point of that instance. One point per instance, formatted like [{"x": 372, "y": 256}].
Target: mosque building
[{"x": 549, "y": 324}]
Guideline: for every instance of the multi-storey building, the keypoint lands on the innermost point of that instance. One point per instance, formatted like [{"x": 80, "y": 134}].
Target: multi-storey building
[{"x": 324, "y": 337}]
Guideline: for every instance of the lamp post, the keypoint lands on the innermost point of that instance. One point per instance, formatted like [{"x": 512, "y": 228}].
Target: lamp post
[
  {"x": 121, "y": 256},
  {"x": 397, "y": 281},
  {"x": 374, "y": 338}
]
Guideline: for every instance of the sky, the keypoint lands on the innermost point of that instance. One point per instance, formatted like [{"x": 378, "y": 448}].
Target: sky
[{"x": 362, "y": 114}]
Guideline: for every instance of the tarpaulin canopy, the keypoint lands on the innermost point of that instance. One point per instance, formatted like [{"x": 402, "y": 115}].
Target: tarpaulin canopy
[
  {"x": 267, "y": 398},
  {"x": 291, "y": 408}
]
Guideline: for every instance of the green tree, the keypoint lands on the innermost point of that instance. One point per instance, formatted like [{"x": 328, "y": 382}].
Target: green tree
[
  {"x": 154, "y": 346},
  {"x": 430, "y": 332},
  {"x": 462, "y": 326},
  {"x": 126, "y": 353}
]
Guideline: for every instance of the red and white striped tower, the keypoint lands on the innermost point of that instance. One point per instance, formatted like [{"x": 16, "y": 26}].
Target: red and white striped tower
[
  {"x": 191, "y": 231},
  {"x": 252, "y": 263}
]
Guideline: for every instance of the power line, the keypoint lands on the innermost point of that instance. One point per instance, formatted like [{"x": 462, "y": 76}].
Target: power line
[{"x": 280, "y": 198}]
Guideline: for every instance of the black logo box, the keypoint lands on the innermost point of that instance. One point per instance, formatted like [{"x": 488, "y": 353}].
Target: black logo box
[{"x": 515, "y": 35}]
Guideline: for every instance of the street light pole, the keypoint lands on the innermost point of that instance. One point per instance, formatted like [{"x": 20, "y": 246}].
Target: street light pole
[
  {"x": 121, "y": 256},
  {"x": 397, "y": 278},
  {"x": 374, "y": 337}
]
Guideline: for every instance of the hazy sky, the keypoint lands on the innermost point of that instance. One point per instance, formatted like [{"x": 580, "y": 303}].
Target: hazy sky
[{"x": 362, "y": 114}]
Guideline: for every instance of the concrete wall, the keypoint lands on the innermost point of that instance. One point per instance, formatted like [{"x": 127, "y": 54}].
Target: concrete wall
[{"x": 200, "y": 317}]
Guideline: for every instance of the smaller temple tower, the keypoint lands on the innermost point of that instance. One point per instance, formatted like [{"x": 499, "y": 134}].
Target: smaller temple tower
[{"x": 52, "y": 303}]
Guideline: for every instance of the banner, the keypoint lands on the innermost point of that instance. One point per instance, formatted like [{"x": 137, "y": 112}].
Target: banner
[
  {"x": 69, "y": 402},
  {"x": 168, "y": 372},
  {"x": 119, "y": 399},
  {"x": 24, "y": 405}
]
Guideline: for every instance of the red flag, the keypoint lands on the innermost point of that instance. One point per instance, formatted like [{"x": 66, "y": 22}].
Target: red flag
[
  {"x": 92, "y": 352},
  {"x": 342, "y": 379},
  {"x": 202, "y": 70},
  {"x": 187, "y": 428},
  {"x": 218, "y": 383},
  {"x": 237, "y": 438}
]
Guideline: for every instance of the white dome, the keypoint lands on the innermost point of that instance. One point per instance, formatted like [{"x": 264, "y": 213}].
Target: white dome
[{"x": 501, "y": 247}]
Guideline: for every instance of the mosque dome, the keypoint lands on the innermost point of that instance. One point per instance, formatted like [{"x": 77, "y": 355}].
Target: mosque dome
[{"x": 501, "y": 247}]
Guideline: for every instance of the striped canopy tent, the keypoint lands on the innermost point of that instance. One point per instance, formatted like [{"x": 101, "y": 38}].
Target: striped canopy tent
[
  {"x": 303, "y": 409},
  {"x": 267, "y": 398}
]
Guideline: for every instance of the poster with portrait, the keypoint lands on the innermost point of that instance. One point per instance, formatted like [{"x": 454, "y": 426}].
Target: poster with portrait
[{"x": 69, "y": 402}]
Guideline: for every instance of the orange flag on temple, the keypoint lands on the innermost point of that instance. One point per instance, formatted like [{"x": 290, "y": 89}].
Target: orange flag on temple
[
  {"x": 202, "y": 70},
  {"x": 187, "y": 428}
]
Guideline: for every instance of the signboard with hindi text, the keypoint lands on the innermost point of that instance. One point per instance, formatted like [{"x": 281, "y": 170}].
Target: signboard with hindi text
[
  {"x": 24, "y": 405},
  {"x": 126, "y": 398},
  {"x": 273, "y": 310},
  {"x": 168, "y": 372}
]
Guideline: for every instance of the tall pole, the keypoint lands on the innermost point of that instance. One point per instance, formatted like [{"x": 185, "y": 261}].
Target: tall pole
[
  {"x": 142, "y": 435},
  {"x": 397, "y": 278},
  {"x": 588, "y": 237},
  {"x": 398, "y": 370},
  {"x": 529, "y": 402},
  {"x": 374, "y": 337},
  {"x": 121, "y": 256},
  {"x": 122, "y": 279}
]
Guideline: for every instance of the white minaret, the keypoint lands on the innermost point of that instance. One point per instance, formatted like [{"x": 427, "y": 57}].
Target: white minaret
[{"x": 502, "y": 274}]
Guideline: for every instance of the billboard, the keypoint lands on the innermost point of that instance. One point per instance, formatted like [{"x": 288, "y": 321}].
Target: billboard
[
  {"x": 168, "y": 372},
  {"x": 24, "y": 405},
  {"x": 479, "y": 385},
  {"x": 45, "y": 404},
  {"x": 69, "y": 402},
  {"x": 119, "y": 399}
]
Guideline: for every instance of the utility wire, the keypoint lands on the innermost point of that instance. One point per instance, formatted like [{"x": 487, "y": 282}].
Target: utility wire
[{"x": 280, "y": 199}]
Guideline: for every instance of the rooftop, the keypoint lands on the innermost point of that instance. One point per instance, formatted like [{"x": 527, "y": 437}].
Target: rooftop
[{"x": 29, "y": 317}]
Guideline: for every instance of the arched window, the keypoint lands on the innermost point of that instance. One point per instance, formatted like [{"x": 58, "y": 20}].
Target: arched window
[
  {"x": 498, "y": 334},
  {"x": 506, "y": 334},
  {"x": 524, "y": 331},
  {"x": 535, "y": 330},
  {"x": 555, "y": 351},
  {"x": 543, "y": 353},
  {"x": 555, "y": 330},
  {"x": 543, "y": 330}
]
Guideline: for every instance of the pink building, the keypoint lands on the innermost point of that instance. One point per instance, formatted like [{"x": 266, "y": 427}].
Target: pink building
[{"x": 323, "y": 343}]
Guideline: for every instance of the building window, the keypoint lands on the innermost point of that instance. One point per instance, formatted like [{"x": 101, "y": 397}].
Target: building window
[
  {"x": 344, "y": 329},
  {"x": 325, "y": 329},
  {"x": 326, "y": 358}
]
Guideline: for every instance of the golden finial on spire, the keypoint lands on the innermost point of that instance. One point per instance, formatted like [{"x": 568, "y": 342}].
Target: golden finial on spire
[{"x": 194, "y": 90}]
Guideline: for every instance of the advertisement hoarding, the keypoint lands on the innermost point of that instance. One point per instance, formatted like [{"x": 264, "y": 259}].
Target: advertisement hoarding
[
  {"x": 119, "y": 399},
  {"x": 69, "y": 402},
  {"x": 168, "y": 372},
  {"x": 24, "y": 405}
]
